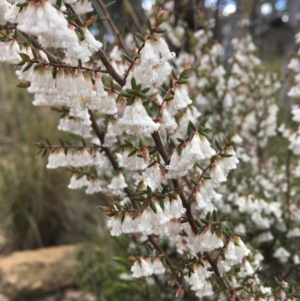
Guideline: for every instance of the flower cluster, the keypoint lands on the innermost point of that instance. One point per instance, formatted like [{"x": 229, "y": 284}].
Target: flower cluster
[{"x": 151, "y": 152}]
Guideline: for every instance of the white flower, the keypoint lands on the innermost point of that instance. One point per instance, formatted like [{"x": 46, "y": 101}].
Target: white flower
[
  {"x": 158, "y": 267},
  {"x": 77, "y": 182},
  {"x": 136, "y": 121},
  {"x": 246, "y": 269},
  {"x": 169, "y": 121},
  {"x": 115, "y": 224},
  {"x": 141, "y": 268},
  {"x": 176, "y": 168},
  {"x": 282, "y": 254},
  {"x": 94, "y": 186},
  {"x": 206, "y": 290},
  {"x": 181, "y": 100},
  {"x": 76, "y": 126},
  {"x": 198, "y": 277},
  {"x": 206, "y": 241},
  {"x": 131, "y": 163},
  {"x": 112, "y": 131},
  {"x": 107, "y": 105},
  {"x": 235, "y": 251},
  {"x": 9, "y": 52},
  {"x": 41, "y": 18},
  {"x": 117, "y": 183}
]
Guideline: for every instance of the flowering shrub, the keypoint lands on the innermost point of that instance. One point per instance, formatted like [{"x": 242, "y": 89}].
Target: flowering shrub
[{"x": 146, "y": 118}]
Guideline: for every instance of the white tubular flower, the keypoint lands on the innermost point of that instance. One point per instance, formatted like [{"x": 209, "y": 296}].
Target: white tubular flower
[
  {"x": 107, "y": 105},
  {"x": 198, "y": 277},
  {"x": 296, "y": 113},
  {"x": 207, "y": 150},
  {"x": 131, "y": 163},
  {"x": 154, "y": 176},
  {"x": 175, "y": 168},
  {"x": 83, "y": 7},
  {"x": 42, "y": 81},
  {"x": 75, "y": 126},
  {"x": 206, "y": 290},
  {"x": 246, "y": 269},
  {"x": 235, "y": 251},
  {"x": 218, "y": 174},
  {"x": 56, "y": 159},
  {"x": 77, "y": 182},
  {"x": 141, "y": 268},
  {"x": 4, "y": 8},
  {"x": 206, "y": 242},
  {"x": 229, "y": 163},
  {"x": 115, "y": 224},
  {"x": 161, "y": 49},
  {"x": 158, "y": 267},
  {"x": 40, "y": 18},
  {"x": 294, "y": 139},
  {"x": 94, "y": 186},
  {"x": 295, "y": 232},
  {"x": 117, "y": 184},
  {"x": 282, "y": 254},
  {"x": 294, "y": 64},
  {"x": 181, "y": 100},
  {"x": 89, "y": 41},
  {"x": 196, "y": 151},
  {"x": 176, "y": 209},
  {"x": 111, "y": 134},
  {"x": 9, "y": 52},
  {"x": 169, "y": 122},
  {"x": 136, "y": 121},
  {"x": 79, "y": 158},
  {"x": 11, "y": 15}
]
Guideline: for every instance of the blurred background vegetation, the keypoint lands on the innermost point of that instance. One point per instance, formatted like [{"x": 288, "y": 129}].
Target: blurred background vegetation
[{"x": 36, "y": 208}]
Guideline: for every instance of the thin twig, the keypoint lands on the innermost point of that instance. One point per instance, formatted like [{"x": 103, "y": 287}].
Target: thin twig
[{"x": 113, "y": 26}]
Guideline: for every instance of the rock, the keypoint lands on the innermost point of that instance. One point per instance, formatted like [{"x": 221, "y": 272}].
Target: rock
[
  {"x": 3, "y": 298},
  {"x": 31, "y": 273}
]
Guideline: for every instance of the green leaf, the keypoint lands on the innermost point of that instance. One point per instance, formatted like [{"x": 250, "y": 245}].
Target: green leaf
[
  {"x": 191, "y": 128},
  {"x": 127, "y": 58},
  {"x": 141, "y": 144},
  {"x": 226, "y": 155},
  {"x": 149, "y": 25},
  {"x": 29, "y": 65},
  {"x": 24, "y": 56},
  {"x": 47, "y": 141},
  {"x": 217, "y": 144},
  {"x": 172, "y": 143},
  {"x": 153, "y": 207},
  {"x": 132, "y": 153},
  {"x": 215, "y": 217},
  {"x": 160, "y": 30},
  {"x": 162, "y": 204},
  {"x": 44, "y": 153},
  {"x": 203, "y": 122},
  {"x": 133, "y": 83},
  {"x": 145, "y": 90},
  {"x": 35, "y": 55},
  {"x": 54, "y": 72},
  {"x": 58, "y": 3},
  {"x": 110, "y": 4}
]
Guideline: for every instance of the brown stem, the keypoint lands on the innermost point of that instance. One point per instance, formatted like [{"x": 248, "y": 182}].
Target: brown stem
[
  {"x": 110, "y": 69},
  {"x": 160, "y": 250},
  {"x": 205, "y": 170},
  {"x": 66, "y": 66}
]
